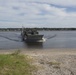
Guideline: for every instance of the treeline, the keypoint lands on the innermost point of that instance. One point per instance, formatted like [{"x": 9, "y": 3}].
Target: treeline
[{"x": 51, "y": 29}]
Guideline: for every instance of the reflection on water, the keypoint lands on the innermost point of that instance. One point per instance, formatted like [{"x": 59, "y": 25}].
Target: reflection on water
[{"x": 34, "y": 44}]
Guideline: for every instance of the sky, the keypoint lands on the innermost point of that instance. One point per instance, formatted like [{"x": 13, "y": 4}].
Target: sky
[{"x": 38, "y": 13}]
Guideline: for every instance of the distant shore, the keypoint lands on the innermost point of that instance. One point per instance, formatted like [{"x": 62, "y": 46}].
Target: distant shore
[{"x": 46, "y": 29}]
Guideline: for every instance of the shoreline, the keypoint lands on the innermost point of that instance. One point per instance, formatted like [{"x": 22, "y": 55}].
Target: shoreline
[
  {"x": 42, "y": 51},
  {"x": 50, "y": 61}
]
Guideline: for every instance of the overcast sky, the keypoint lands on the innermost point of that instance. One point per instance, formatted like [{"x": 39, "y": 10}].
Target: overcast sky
[{"x": 37, "y": 13}]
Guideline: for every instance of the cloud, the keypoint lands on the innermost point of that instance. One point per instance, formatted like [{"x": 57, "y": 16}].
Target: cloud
[
  {"x": 69, "y": 3},
  {"x": 37, "y": 13}
]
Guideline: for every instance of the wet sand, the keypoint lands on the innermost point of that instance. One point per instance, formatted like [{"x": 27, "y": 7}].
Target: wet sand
[{"x": 51, "y": 61}]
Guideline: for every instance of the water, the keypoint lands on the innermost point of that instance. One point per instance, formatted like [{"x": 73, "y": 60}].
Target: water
[{"x": 54, "y": 39}]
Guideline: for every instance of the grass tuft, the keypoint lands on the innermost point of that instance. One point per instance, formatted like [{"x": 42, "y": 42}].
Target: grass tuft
[
  {"x": 16, "y": 52},
  {"x": 53, "y": 63}
]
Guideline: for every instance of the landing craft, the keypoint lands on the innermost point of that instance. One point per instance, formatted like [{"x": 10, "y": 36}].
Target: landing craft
[{"x": 31, "y": 35}]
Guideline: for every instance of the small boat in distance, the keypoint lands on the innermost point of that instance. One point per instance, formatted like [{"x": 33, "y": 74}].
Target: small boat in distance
[{"x": 31, "y": 35}]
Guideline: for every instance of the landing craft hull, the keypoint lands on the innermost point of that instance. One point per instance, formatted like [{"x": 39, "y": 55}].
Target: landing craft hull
[{"x": 33, "y": 38}]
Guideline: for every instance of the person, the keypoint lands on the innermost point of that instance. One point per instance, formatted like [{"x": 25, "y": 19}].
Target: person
[{"x": 32, "y": 32}]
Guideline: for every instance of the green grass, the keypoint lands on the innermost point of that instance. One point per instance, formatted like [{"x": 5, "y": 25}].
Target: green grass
[{"x": 15, "y": 64}]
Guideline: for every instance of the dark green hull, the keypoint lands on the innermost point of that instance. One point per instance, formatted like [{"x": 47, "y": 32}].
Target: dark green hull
[{"x": 33, "y": 38}]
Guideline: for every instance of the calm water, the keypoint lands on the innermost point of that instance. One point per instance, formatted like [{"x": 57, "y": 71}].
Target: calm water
[{"x": 55, "y": 39}]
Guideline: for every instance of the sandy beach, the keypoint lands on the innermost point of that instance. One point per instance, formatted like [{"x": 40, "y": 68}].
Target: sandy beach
[{"x": 51, "y": 61}]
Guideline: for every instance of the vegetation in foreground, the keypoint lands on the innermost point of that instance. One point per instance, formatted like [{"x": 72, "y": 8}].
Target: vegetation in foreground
[{"x": 15, "y": 64}]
